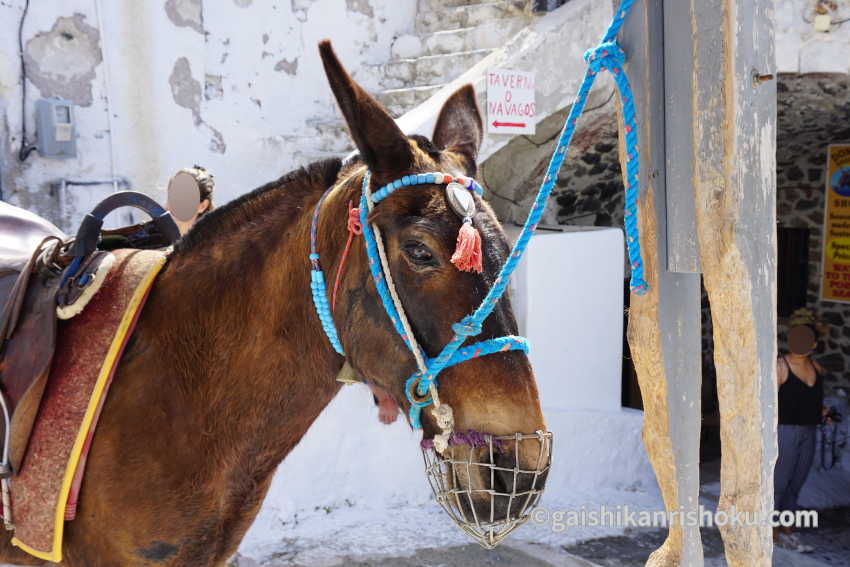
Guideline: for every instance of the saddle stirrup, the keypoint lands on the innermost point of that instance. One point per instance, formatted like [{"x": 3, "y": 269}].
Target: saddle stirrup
[{"x": 5, "y": 466}]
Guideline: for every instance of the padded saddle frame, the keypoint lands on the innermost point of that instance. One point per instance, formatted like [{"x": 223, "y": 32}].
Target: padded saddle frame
[{"x": 28, "y": 321}]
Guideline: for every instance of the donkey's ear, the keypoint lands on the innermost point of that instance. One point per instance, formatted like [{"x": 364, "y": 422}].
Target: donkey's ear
[
  {"x": 459, "y": 127},
  {"x": 383, "y": 146}
]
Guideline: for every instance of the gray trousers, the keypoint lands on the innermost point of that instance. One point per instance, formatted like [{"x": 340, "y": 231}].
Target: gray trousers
[{"x": 796, "y": 453}]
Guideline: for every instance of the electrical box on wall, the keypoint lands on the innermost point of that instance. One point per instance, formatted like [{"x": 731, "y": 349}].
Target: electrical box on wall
[{"x": 55, "y": 128}]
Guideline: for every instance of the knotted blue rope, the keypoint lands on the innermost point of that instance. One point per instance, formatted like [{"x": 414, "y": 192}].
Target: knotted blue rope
[
  {"x": 483, "y": 348},
  {"x": 607, "y": 55}
]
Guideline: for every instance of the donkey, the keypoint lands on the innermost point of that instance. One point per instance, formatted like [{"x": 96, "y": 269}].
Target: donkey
[{"x": 228, "y": 365}]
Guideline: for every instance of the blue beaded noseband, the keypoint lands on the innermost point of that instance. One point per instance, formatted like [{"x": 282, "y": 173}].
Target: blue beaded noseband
[{"x": 417, "y": 387}]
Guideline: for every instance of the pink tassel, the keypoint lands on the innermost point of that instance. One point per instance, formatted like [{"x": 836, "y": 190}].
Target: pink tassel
[{"x": 467, "y": 256}]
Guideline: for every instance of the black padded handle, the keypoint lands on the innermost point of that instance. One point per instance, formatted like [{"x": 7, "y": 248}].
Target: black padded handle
[{"x": 88, "y": 234}]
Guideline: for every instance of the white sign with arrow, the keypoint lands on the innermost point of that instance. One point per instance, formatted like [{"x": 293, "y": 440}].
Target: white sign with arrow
[{"x": 510, "y": 102}]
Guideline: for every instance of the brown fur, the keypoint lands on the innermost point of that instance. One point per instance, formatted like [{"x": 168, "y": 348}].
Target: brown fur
[{"x": 228, "y": 366}]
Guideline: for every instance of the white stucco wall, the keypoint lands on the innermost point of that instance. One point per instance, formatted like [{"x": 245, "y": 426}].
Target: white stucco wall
[
  {"x": 800, "y": 49},
  {"x": 235, "y": 86}
]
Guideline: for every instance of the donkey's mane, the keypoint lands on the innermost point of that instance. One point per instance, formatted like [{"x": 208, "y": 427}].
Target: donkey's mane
[{"x": 282, "y": 196}]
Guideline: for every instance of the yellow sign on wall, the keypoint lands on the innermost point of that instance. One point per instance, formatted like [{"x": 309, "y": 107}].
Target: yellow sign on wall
[{"x": 835, "y": 270}]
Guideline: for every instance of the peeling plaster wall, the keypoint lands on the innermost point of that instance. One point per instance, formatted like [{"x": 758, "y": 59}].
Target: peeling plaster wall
[
  {"x": 62, "y": 49},
  {"x": 62, "y": 60},
  {"x": 235, "y": 86},
  {"x": 800, "y": 49}
]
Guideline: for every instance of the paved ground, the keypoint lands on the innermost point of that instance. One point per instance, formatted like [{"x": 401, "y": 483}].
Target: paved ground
[
  {"x": 630, "y": 550},
  {"x": 831, "y": 541},
  {"x": 633, "y": 549},
  {"x": 472, "y": 555}
]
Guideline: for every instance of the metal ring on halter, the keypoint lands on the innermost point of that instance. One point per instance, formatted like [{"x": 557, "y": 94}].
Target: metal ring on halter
[{"x": 410, "y": 387}]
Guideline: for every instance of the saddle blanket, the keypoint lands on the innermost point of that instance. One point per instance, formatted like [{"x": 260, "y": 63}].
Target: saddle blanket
[{"x": 88, "y": 349}]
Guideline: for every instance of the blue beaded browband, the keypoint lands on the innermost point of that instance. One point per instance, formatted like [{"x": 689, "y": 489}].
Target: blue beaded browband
[{"x": 418, "y": 385}]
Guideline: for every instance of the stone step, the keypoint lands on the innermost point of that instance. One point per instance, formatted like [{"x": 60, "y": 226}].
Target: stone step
[
  {"x": 467, "y": 16},
  {"x": 430, "y": 69},
  {"x": 438, "y": 4},
  {"x": 399, "y": 101},
  {"x": 434, "y": 5},
  {"x": 488, "y": 35}
]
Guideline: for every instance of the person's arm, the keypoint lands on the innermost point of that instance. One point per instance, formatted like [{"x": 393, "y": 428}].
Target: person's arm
[
  {"x": 824, "y": 409},
  {"x": 781, "y": 370}
]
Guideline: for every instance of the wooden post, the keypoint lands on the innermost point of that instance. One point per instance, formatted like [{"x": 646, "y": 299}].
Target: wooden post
[
  {"x": 734, "y": 142},
  {"x": 707, "y": 127},
  {"x": 664, "y": 325}
]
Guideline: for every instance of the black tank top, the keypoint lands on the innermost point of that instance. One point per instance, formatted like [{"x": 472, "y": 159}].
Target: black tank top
[{"x": 799, "y": 403}]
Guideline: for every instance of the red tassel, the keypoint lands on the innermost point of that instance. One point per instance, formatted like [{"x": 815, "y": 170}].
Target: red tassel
[{"x": 467, "y": 256}]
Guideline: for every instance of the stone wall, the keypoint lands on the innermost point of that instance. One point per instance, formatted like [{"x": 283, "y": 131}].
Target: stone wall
[
  {"x": 814, "y": 111},
  {"x": 589, "y": 189}
]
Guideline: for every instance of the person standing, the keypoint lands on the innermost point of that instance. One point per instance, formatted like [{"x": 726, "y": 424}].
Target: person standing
[
  {"x": 801, "y": 410},
  {"x": 190, "y": 194}
]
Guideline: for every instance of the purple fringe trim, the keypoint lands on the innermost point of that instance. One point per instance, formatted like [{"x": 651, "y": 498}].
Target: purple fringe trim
[{"x": 473, "y": 438}]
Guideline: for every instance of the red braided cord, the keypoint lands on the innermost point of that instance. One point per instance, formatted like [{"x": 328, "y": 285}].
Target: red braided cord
[{"x": 354, "y": 229}]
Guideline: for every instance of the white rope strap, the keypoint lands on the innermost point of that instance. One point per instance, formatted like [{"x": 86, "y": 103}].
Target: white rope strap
[
  {"x": 442, "y": 413},
  {"x": 405, "y": 324}
]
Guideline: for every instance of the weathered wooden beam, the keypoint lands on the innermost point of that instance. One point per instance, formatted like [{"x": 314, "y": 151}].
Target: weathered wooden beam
[
  {"x": 734, "y": 128},
  {"x": 682, "y": 247},
  {"x": 664, "y": 325}
]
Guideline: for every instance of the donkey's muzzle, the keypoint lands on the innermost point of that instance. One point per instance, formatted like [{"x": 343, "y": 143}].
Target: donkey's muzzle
[{"x": 490, "y": 484}]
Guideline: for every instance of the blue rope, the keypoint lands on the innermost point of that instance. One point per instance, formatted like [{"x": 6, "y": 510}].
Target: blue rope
[
  {"x": 483, "y": 348},
  {"x": 607, "y": 55},
  {"x": 317, "y": 281},
  {"x": 375, "y": 267}
]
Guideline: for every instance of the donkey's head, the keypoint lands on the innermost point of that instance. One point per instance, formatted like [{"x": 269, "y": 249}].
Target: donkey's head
[{"x": 493, "y": 394}]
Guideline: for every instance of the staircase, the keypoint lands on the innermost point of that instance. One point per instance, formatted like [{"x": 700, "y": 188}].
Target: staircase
[
  {"x": 452, "y": 36},
  {"x": 449, "y": 37}
]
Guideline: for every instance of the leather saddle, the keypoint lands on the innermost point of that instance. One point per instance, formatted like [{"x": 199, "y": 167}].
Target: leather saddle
[{"x": 45, "y": 276}]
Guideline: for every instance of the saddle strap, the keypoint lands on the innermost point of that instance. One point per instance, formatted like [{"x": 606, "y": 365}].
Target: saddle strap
[{"x": 14, "y": 303}]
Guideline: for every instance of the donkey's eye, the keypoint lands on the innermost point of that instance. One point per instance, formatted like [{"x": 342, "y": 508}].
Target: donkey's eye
[{"x": 418, "y": 252}]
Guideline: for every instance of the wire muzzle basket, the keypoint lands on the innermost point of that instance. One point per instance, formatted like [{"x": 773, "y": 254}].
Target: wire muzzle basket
[{"x": 479, "y": 480}]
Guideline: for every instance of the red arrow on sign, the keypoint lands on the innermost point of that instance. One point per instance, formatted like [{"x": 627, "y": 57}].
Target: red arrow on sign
[{"x": 509, "y": 124}]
